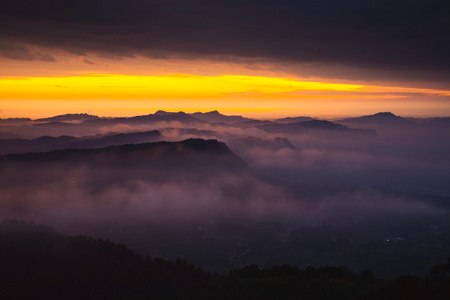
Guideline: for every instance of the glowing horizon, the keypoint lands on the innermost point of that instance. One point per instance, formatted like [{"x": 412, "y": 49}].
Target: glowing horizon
[{"x": 109, "y": 94}]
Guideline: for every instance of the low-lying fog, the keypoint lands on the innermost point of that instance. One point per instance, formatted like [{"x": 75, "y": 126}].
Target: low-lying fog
[{"x": 299, "y": 194}]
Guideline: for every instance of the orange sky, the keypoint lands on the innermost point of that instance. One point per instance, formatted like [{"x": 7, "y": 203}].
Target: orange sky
[{"x": 134, "y": 86}]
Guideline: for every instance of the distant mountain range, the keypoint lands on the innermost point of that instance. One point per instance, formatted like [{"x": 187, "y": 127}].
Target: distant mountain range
[
  {"x": 68, "y": 118},
  {"x": 14, "y": 120},
  {"x": 81, "y": 125},
  {"x": 216, "y": 117},
  {"x": 159, "y": 116}
]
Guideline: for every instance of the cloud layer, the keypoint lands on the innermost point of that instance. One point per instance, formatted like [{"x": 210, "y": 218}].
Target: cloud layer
[{"x": 399, "y": 35}]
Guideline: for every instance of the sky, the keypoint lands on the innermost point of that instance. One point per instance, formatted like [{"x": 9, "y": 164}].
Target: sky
[{"x": 255, "y": 58}]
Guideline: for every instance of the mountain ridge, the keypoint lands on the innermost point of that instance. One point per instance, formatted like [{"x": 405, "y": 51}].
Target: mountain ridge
[
  {"x": 69, "y": 117},
  {"x": 217, "y": 117},
  {"x": 386, "y": 118},
  {"x": 189, "y": 155}
]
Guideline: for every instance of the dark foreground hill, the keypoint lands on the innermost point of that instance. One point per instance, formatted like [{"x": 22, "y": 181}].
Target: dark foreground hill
[{"x": 40, "y": 263}]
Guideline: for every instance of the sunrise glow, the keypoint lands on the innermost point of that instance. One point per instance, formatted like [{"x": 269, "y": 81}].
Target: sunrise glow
[{"x": 108, "y": 93}]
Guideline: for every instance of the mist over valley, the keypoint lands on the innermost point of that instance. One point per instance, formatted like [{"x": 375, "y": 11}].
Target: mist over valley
[{"x": 226, "y": 191}]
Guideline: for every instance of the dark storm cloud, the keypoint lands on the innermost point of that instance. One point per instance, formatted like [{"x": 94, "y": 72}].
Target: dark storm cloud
[
  {"x": 15, "y": 51},
  {"x": 400, "y": 35}
]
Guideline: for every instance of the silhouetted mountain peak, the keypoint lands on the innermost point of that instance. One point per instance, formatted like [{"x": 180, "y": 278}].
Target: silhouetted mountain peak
[
  {"x": 388, "y": 116},
  {"x": 159, "y": 116},
  {"x": 385, "y": 114},
  {"x": 213, "y": 146},
  {"x": 212, "y": 113},
  {"x": 165, "y": 113},
  {"x": 68, "y": 117},
  {"x": 216, "y": 117},
  {"x": 381, "y": 117},
  {"x": 160, "y": 113}
]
